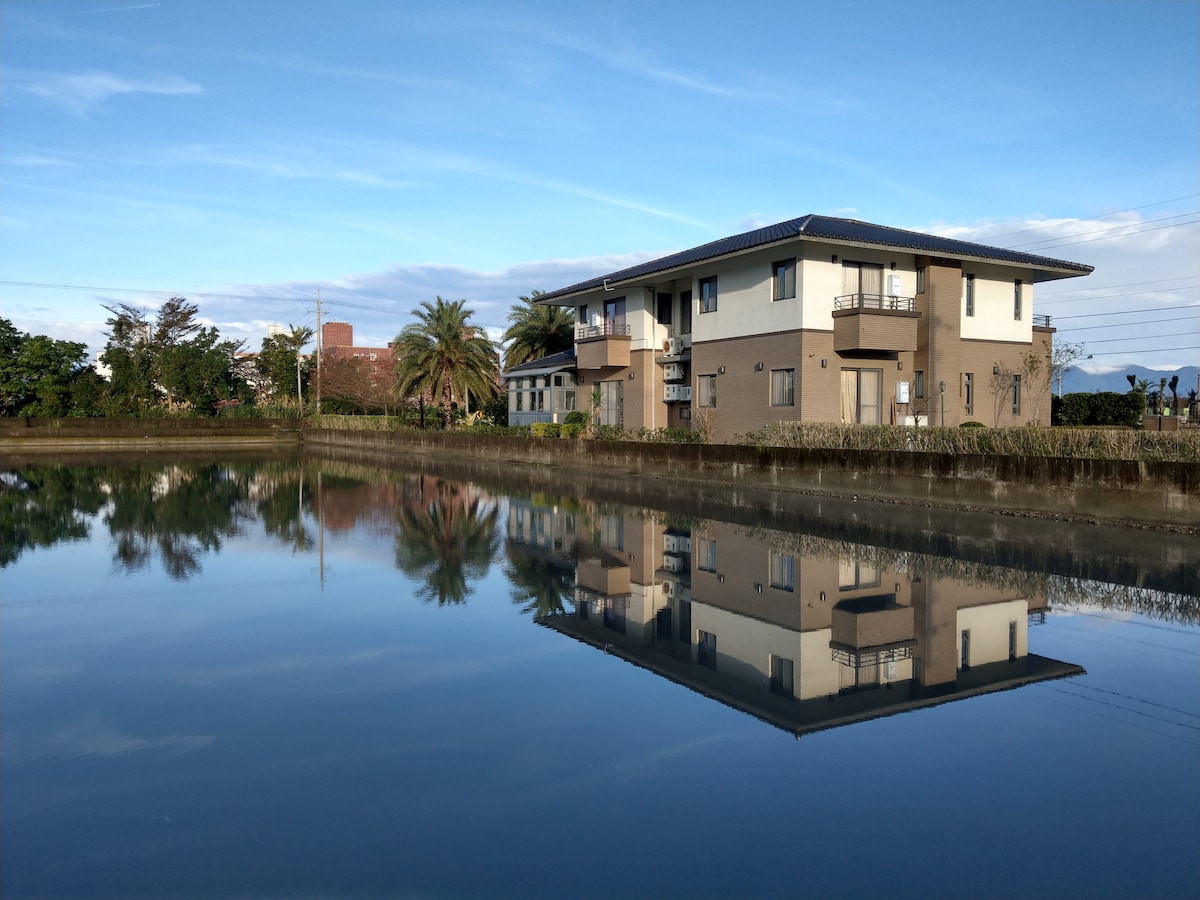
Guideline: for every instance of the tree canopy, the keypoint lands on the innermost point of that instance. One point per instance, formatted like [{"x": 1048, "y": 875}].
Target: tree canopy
[
  {"x": 444, "y": 354},
  {"x": 40, "y": 376},
  {"x": 536, "y": 331}
]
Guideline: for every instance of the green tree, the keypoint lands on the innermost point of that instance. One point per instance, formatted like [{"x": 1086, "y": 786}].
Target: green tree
[
  {"x": 38, "y": 374},
  {"x": 283, "y": 367},
  {"x": 443, "y": 354},
  {"x": 541, "y": 584},
  {"x": 537, "y": 330}
]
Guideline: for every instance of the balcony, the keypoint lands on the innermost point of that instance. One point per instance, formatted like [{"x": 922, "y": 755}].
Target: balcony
[
  {"x": 869, "y": 628},
  {"x": 602, "y": 345},
  {"x": 874, "y": 322},
  {"x": 1042, "y": 321}
]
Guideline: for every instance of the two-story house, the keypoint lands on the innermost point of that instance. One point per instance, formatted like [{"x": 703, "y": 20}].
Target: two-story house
[{"x": 814, "y": 319}]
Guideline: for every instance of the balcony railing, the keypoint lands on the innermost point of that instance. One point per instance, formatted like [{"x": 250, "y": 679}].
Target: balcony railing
[
  {"x": 604, "y": 329},
  {"x": 875, "y": 301},
  {"x": 1041, "y": 321}
]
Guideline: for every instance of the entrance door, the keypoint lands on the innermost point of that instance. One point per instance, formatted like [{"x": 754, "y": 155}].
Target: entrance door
[{"x": 862, "y": 396}]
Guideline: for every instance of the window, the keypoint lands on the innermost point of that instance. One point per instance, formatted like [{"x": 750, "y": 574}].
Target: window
[
  {"x": 862, "y": 396},
  {"x": 855, "y": 573},
  {"x": 685, "y": 312},
  {"x": 920, "y": 279},
  {"x": 706, "y": 390},
  {"x": 708, "y": 294},
  {"x": 1012, "y": 640},
  {"x": 970, "y": 295},
  {"x": 784, "y": 287},
  {"x": 706, "y": 649},
  {"x": 614, "y": 613},
  {"x": 783, "y": 571},
  {"x": 919, "y": 385},
  {"x": 965, "y": 660},
  {"x": 664, "y": 308},
  {"x": 1017, "y": 300},
  {"x": 583, "y": 319},
  {"x": 614, "y": 316},
  {"x": 782, "y": 676},
  {"x": 1016, "y": 395},
  {"x": 969, "y": 387},
  {"x": 520, "y": 401},
  {"x": 685, "y": 413},
  {"x": 783, "y": 387},
  {"x": 706, "y": 555},
  {"x": 863, "y": 281},
  {"x": 612, "y": 403}
]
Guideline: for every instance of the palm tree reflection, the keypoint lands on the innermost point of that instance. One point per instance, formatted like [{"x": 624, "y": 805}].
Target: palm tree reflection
[
  {"x": 446, "y": 542},
  {"x": 541, "y": 584}
]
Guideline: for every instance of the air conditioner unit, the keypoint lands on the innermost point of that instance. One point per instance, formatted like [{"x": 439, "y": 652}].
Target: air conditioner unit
[
  {"x": 671, "y": 392},
  {"x": 669, "y": 588},
  {"x": 673, "y": 372},
  {"x": 672, "y": 564},
  {"x": 677, "y": 543},
  {"x": 674, "y": 346},
  {"x": 685, "y": 393}
]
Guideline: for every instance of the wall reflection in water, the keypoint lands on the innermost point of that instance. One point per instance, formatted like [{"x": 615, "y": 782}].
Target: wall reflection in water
[{"x": 805, "y": 633}]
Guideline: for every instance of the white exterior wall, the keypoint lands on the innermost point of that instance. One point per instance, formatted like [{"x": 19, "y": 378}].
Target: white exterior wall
[
  {"x": 989, "y": 630},
  {"x": 817, "y": 672},
  {"x": 745, "y": 645},
  {"x": 993, "y": 319}
]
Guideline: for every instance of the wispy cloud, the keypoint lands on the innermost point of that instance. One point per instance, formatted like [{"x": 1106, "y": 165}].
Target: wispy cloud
[
  {"x": 280, "y": 167},
  {"x": 81, "y": 93}
]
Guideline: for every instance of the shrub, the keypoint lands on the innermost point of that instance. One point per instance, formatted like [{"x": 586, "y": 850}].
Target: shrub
[
  {"x": 971, "y": 423},
  {"x": 570, "y": 430},
  {"x": 576, "y": 417},
  {"x": 544, "y": 429}
]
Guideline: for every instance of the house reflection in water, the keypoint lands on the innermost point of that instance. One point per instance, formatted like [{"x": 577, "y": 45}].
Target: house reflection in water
[{"x": 804, "y": 633}]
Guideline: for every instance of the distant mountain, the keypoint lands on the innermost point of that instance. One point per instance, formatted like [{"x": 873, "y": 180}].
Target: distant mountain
[{"x": 1075, "y": 380}]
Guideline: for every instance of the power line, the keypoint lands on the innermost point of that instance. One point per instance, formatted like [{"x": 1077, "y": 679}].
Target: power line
[
  {"x": 1140, "y": 337},
  {"x": 1128, "y": 312},
  {"x": 1186, "y": 287},
  {"x": 1107, "y": 287},
  {"x": 1111, "y": 236},
  {"x": 1130, "y": 350},
  {"x": 1120, "y": 324},
  {"x": 1093, "y": 218},
  {"x": 1110, "y": 228}
]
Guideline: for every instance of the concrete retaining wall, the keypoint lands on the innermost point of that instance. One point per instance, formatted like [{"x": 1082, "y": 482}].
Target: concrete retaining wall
[
  {"x": 1105, "y": 490},
  {"x": 34, "y": 435}
]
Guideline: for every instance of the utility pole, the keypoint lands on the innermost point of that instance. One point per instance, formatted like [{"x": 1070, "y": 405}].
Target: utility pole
[{"x": 319, "y": 349}]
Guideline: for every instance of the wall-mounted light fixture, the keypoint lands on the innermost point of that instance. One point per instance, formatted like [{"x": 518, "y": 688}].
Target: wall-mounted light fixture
[
  {"x": 758, "y": 367},
  {"x": 631, "y": 376},
  {"x": 721, "y": 579},
  {"x": 835, "y": 259},
  {"x": 822, "y": 596},
  {"x": 757, "y": 588},
  {"x": 893, "y": 267},
  {"x": 899, "y": 366},
  {"x": 720, "y": 370},
  {"x": 824, "y": 364},
  {"x": 995, "y": 370}
]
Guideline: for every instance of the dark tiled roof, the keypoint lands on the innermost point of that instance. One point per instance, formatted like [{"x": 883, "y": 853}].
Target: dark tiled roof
[
  {"x": 827, "y": 228},
  {"x": 565, "y": 358}
]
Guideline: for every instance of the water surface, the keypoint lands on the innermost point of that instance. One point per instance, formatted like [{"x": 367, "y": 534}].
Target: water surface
[{"x": 298, "y": 678}]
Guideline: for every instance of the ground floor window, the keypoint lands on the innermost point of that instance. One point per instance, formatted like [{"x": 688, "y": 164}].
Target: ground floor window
[
  {"x": 612, "y": 403},
  {"x": 862, "y": 396},
  {"x": 783, "y": 387},
  {"x": 706, "y": 390}
]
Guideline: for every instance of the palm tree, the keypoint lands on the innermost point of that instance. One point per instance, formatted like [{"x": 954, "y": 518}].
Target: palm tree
[
  {"x": 537, "y": 330},
  {"x": 540, "y": 584},
  {"x": 446, "y": 544},
  {"x": 294, "y": 340},
  {"x": 444, "y": 354}
]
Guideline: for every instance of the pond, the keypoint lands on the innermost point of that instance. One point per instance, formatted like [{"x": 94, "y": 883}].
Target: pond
[{"x": 296, "y": 677}]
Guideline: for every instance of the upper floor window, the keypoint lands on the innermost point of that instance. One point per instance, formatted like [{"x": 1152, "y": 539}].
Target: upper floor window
[
  {"x": 1017, "y": 300},
  {"x": 784, "y": 278},
  {"x": 970, "y": 295},
  {"x": 706, "y": 555},
  {"x": 783, "y": 387},
  {"x": 685, "y": 312},
  {"x": 708, "y": 294},
  {"x": 920, "y": 279},
  {"x": 583, "y": 319},
  {"x": 783, "y": 571},
  {"x": 665, "y": 302}
]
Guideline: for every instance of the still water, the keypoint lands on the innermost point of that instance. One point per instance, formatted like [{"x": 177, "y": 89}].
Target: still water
[{"x": 287, "y": 678}]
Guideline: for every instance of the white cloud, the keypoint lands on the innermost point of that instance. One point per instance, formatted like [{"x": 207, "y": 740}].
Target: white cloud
[{"x": 83, "y": 92}]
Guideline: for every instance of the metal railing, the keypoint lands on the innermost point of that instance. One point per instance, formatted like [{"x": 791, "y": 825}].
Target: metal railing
[
  {"x": 1041, "y": 320},
  {"x": 605, "y": 329},
  {"x": 875, "y": 301}
]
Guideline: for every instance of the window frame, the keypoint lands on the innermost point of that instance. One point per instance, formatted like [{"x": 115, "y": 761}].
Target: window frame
[
  {"x": 789, "y": 392},
  {"x": 708, "y": 294},
  {"x": 969, "y": 391},
  {"x": 1016, "y": 394},
  {"x": 970, "y": 296},
  {"x": 787, "y": 289},
  {"x": 709, "y": 382},
  {"x": 1017, "y": 300}
]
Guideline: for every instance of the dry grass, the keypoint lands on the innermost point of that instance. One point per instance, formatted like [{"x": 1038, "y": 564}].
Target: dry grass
[{"x": 1068, "y": 443}]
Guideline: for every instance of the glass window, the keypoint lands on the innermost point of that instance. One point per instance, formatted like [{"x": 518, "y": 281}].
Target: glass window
[
  {"x": 970, "y": 295},
  {"x": 783, "y": 571},
  {"x": 685, "y": 312},
  {"x": 583, "y": 319},
  {"x": 920, "y": 279},
  {"x": 706, "y": 649},
  {"x": 782, "y": 676},
  {"x": 784, "y": 278},
  {"x": 706, "y": 555},
  {"x": 862, "y": 396},
  {"x": 969, "y": 388},
  {"x": 706, "y": 390},
  {"x": 783, "y": 387},
  {"x": 708, "y": 294},
  {"x": 665, "y": 302},
  {"x": 614, "y": 314},
  {"x": 919, "y": 385},
  {"x": 1017, "y": 300},
  {"x": 1016, "y": 395}
]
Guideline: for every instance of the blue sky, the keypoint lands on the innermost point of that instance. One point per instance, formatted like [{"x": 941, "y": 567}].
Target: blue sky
[{"x": 247, "y": 155}]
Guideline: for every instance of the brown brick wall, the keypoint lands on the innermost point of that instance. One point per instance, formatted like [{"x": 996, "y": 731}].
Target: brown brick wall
[{"x": 337, "y": 334}]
